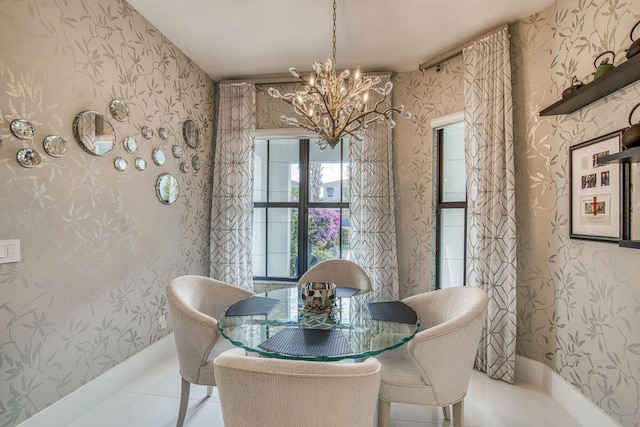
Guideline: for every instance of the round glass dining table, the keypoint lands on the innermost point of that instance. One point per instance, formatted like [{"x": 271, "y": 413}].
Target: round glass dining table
[{"x": 277, "y": 324}]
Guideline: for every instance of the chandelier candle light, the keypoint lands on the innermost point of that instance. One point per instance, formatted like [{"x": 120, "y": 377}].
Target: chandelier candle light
[{"x": 336, "y": 105}]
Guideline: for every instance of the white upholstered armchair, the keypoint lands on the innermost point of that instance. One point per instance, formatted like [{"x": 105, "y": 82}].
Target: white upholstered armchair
[
  {"x": 194, "y": 304},
  {"x": 435, "y": 367},
  {"x": 266, "y": 392},
  {"x": 342, "y": 272}
]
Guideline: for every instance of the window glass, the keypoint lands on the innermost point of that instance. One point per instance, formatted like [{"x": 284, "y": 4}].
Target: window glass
[
  {"x": 453, "y": 168},
  {"x": 282, "y": 247},
  {"x": 259, "y": 247},
  {"x": 325, "y": 171},
  {"x": 451, "y": 253},
  {"x": 260, "y": 171},
  {"x": 324, "y": 234},
  {"x": 284, "y": 165}
]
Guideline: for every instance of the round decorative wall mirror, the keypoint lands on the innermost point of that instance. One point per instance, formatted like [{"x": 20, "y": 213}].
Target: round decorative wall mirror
[
  {"x": 119, "y": 110},
  {"x": 55, "y": 146},
  {"x": 167, "y": 189},
  {"x": 120, "y": 164},
  {"x": 196, "y": 164},
  {"x": 147, "y": 132},
  {"x": 163, "y": 133},
  {"x": 28, "y": 158},
  {"x": 141, "y": 164},
  {"x": 191, "y": 133},
  {"x": 158, "y": 157},
  {"x": 22, "y": 129},
  {"x": 177, "y": 151},
  {"x": 94, "y": 133},
  {"x": 130, "y": 144}
]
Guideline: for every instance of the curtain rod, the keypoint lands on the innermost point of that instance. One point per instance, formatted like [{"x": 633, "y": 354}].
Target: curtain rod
[
  {"x": 283, "y": 79},
  {"x": 457, "y": 50},
  {"x": 265, "y": 80}
]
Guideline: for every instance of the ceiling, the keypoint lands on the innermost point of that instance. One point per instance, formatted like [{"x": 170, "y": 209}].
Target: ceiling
[{"x": 233, "y": 39}]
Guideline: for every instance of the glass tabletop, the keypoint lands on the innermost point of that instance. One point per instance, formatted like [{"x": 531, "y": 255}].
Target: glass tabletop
[{"x": 276, "y": 324}]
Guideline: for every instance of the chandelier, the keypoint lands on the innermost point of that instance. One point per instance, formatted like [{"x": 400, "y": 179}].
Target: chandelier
[{"x": 337, "y": 105}]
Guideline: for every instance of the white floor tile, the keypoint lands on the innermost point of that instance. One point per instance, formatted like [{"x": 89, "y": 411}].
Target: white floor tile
[{"x": 152, "y": 400}]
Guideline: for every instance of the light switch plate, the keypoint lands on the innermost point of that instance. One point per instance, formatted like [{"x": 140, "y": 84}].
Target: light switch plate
[{"x": 9, "y": 251}]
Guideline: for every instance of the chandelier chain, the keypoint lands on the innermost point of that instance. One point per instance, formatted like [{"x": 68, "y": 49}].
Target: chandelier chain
[{"x": 334, "y": 31}]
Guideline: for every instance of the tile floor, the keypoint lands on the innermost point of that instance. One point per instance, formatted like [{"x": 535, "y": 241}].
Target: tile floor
[{"x": 151, "y": 400}]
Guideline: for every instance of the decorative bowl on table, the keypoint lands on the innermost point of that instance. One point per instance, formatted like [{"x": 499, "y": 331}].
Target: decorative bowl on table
[{"x": 318, "y": 297}]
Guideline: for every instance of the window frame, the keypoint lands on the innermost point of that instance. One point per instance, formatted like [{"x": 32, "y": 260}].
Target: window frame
[
  {"x": 303, "y": 205},
  {"x": 438, "y": 131}
]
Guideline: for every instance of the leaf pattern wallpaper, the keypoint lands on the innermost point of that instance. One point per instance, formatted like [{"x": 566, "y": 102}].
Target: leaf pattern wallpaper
[
  {"x": 578, "y": 301},
  {"x": 428, "y": 95},
  {"x": 97, "y": 245}
]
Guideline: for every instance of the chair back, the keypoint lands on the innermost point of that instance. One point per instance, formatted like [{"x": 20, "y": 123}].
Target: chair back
[
  {"x": 267, "y": 392},
  {"x": 195, "y": 302},
  {"x": 342, "y": 272},
  {"x": 445, "y": 347}
]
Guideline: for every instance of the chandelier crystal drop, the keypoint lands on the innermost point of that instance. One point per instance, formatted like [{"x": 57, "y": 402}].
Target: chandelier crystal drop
[{"x": 338, "y": 105}]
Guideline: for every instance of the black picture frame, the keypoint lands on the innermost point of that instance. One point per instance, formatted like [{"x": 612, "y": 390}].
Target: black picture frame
[{"x": 596, "y": 192}]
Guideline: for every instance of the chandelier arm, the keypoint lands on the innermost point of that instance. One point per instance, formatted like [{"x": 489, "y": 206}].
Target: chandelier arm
[
  {"x": 365, "y": 113},
  {"x": 347, "y": 123},
  {"x": 379, "y": 114}
]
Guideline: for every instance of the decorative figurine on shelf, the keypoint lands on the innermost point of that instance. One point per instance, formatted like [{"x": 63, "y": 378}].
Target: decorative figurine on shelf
[
  {"x": 631, "y": 135},
  {"x": 575, "y": 85},
  {"x": 605, "y": 66}
]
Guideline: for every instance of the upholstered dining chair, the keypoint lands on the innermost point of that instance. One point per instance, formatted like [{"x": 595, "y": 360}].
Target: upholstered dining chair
[
  {"x": 194, "y": 304},
  {"x": 342, "y": 272},
  {"x": 434, "y": 368},
  {"x": 268, "y": 392}
]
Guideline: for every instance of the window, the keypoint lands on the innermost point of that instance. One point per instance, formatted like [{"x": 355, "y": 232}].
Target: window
[
  {"x": 301, "y": 206},
  {"x": 451, "y": 208}
]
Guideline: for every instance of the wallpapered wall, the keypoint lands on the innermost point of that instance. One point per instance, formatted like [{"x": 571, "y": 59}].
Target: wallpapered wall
[
  {"x": 577, "y": 300},
  {"x": 427, "y": 95},
  {"x": 97, "y": 245}
]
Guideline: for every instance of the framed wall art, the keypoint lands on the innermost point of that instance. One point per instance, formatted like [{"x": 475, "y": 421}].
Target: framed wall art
[{"x": 595, "y": 190}]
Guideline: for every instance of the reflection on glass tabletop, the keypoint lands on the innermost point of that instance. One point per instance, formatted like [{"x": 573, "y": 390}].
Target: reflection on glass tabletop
[{"x": 276, "y": 324}]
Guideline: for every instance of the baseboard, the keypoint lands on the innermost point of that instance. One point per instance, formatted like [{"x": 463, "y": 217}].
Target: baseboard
[
  {"x": 587, "y": 413},
  {"x": 79, "y": 402}
]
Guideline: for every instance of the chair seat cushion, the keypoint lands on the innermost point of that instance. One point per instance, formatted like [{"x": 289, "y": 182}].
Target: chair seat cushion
[{"x": 401, "y": 381}]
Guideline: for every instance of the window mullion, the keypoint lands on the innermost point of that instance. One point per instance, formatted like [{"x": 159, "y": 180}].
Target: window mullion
[{"x": 303, "y": 208}]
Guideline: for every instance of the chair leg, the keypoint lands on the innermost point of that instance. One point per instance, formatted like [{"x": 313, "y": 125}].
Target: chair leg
[
  {"x": 446, "y": 411},
  {"x": 458, "y": 414},
  {"x": 384, "y": 413},
  {"x": 209, "y": 390},
  {"x": 184, "y": 402}
]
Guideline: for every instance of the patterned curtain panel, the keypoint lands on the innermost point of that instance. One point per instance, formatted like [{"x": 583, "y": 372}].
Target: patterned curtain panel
[
  {"x": 373, "y": 232},
  {"x": 232, "y": 201},
  {"x": 491, "y": 225}
]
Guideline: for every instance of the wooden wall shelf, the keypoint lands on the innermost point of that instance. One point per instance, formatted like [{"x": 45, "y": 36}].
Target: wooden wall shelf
[
  {"x": 630, "y": 155},
  {"x": 629, "y": 244},
  {"x": 621, "y": 76}
]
